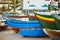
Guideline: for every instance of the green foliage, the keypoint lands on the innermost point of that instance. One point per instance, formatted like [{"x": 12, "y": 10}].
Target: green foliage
[
  {"x": 17, "y": 1},
  {"x": 17, "y": 4}
]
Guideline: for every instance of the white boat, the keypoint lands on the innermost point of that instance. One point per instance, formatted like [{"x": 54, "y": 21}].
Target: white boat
[{"x": 52, "y": 33}]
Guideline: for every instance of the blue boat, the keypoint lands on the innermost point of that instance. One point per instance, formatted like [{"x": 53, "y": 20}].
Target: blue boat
[
  {"x": 22, "y": 24},
  {"x": 32, "y": 32}
]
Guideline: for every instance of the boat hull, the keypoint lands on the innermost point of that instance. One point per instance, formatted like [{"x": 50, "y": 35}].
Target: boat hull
[
  {"x": 33, "y": 17},
  {"x": 52, "y": 33},
  {"x": 57, "y": 19},
  {"x": 3, "y": 27},
  {"x": 3, "y": 24},
  {"x": 46, "y": 21},
  {"x": 17, "y": 16},
  {"x": 16, "y": 30},
  {"x": 32, "y": 32},
  {"x": 22, "y": 24}
]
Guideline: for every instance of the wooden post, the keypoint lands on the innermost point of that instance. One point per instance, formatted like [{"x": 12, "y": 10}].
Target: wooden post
[
  {"x": 51, "y": 6},
  {"x": 0, "y": 23},
  {"x": 3, "y": 5},
  {"x": 21, "y": 4},
  {"x": 3, "y": 2},
  {"x": 8, "y": 4},
  {"x": 14, "y": 6}
]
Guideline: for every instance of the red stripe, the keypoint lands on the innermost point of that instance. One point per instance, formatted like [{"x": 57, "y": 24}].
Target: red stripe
[
  {"x": 18, "y": 16},
  {"x": 22, "y": 17},
  {"x": 34, "y": 17}
]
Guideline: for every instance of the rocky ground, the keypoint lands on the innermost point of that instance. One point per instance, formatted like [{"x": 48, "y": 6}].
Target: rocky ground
[{"x": 10, "y": 35}]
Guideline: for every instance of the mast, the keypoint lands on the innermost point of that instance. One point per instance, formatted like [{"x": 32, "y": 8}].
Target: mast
[
  {"x": 58, "y": 5},
  {"x": 51, "y": 6},
  {"x": 14, "y": 6},
  {"x": 8, "y": 4},
  {"x": 3, "y": 6}
]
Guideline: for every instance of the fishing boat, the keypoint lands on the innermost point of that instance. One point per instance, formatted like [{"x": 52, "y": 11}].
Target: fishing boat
[
  {"x": 46, "y": 20},
  {"x": 52, "y": 33},
  {"x": 32, "y": 16},
  {"x": 33, "y": 32},
  {"x": 16, "y": 23},
  {"x": 10, "y": 15},
  {"x": 22, "y": 24},
  {"x": 57, "y": 19},
  {"x": 3, "y": 24}
]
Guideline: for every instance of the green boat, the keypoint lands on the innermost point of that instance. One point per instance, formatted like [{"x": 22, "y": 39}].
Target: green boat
[
  {"x": 46, "y": 20},
  {"x": 57, "y": 19}
]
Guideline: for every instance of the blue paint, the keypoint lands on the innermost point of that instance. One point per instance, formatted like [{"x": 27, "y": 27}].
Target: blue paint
[
  {"x": 32, "y": 33},
  {"x": 10, "y": 14},
  {"x": 22, "y": 24}
]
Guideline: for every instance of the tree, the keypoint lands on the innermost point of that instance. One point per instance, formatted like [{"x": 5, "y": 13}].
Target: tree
[{"x": 16, "y": 3}]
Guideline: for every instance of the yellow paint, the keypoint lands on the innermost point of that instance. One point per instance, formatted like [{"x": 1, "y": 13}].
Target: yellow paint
[{"x": 44, "y": 18}]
